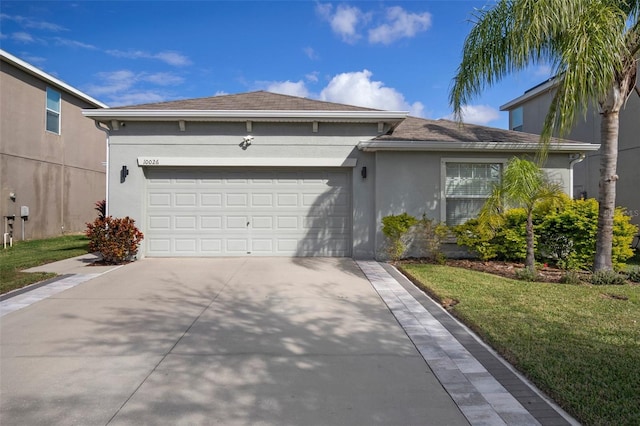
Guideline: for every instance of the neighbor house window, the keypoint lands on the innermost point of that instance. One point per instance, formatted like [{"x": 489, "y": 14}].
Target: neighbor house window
[
  {"x": 467, "y": 185},
  {"x": 516, "y": 119},
  {"x": 53, "y": 111}
]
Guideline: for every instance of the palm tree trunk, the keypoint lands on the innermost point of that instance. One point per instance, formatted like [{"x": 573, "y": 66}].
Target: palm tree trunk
[
  {"x": 607, "y": 189},
  {"x": 530, "y": 260}
]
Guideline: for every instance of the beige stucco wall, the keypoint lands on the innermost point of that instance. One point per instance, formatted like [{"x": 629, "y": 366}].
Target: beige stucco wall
[
  {"x": 59, "y": 177},
  {"x": 587, "y": 129}
]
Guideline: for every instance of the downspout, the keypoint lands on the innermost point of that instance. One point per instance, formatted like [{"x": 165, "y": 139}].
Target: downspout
[
  {"x": 575, "y": 159},
  {"x": 106, "y": 197}
]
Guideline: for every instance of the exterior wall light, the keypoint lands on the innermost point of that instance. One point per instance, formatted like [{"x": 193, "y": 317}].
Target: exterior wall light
[{"x": 124, "y": 172}]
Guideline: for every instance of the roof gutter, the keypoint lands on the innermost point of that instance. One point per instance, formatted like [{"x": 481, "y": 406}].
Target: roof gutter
[{"x": 425, "y": 146}]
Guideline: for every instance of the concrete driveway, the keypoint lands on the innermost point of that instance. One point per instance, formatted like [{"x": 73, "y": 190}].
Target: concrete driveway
[{"x": 286, "y": 341}]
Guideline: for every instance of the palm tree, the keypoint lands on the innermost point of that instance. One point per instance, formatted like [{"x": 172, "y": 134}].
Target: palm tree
[
  {"x": 524, "y": 184},
  {"x": 594, "y": 48}
]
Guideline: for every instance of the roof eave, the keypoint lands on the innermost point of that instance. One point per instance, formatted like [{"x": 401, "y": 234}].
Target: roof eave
[
  {"x": 542, "y": 88},
  {"x": 413, "y": 146},
  {"x": 106, "y": 115}
]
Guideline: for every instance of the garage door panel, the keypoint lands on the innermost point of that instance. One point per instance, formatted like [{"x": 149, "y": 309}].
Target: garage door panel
[
  {"x": 262, "y": 222},
  {"x": 186, "y": 245},
  {"x": 236, "y": 222},
  {"x": 219, "y": 212},
  {"x": 186, "y": 222},
  {"x": 159, "y": 223},
  {"x": 262, "y": 200},
  {"x": 185, "y": 199},
  {"x": 210, "y": 223},
  {"x": 210, "y": 199},
  {"x": 160, "y": 199}
]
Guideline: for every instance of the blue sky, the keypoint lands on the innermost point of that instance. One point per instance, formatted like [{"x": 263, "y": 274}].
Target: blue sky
[{"x": 381, "y": 54}]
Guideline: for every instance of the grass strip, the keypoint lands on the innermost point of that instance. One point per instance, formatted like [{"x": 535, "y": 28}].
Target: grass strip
[
  {"x": 578, "y": 343},
  {"x": 27, "y": 254}
]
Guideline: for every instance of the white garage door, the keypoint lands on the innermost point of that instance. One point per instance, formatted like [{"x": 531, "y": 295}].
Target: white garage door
[{"x": 232, "y": 212}]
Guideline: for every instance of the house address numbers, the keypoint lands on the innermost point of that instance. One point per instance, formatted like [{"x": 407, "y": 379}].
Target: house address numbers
[{"x": 148, "y": 161}]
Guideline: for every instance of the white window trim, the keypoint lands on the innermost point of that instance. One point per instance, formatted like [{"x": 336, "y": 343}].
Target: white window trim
[
  {"x": 47, "y": 109},
  {"x": 443, "y": 176}
]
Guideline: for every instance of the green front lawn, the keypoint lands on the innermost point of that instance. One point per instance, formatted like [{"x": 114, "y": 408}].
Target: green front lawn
[
  {"x": 27, "y": 254},
  {"x": 578, "y": 343}
]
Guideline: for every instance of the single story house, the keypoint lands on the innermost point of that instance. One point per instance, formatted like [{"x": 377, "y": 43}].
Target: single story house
[{"x": 265, "y": 174}]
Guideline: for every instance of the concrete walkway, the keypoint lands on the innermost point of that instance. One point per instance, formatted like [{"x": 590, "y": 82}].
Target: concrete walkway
[{"x": 249, "y": 341}]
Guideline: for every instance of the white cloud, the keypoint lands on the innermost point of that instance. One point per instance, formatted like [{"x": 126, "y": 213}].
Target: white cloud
[
  {"x": 74, "y": 43},
  {"x": 357, "y": 88},
  {"x": 344, "y": 21},
  {"x": 312, "y": 77},
  {"x": 31, "y": 23},
  {"x": 173, "y": 58},
  {"x": 134, "y": 98},
  {"x": 169, "y": 57},
  {"x": 23, "y": 37},
  {"x": 162, "y": 79},
  {"x": 113, "y": 82},
  {"x": 478, "y": 114},
  {"x": 400, "y": 24},
  {"x": 117, "y": 83},
  {"x": 288, "y": 88},
  {"x": 122, "y": 87},
  {"x": 311, "y": 53}
]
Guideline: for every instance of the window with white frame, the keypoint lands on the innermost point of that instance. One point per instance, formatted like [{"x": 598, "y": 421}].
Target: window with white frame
[
  {"x": 467, "y": 185},
  {"x": 53, "y": 111}
]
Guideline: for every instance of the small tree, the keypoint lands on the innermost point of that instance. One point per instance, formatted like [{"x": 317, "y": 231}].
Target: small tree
[{"x": 525, "y": 185}]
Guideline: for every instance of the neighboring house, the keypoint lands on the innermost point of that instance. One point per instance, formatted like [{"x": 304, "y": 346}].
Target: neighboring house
[
  {"x": 527, "y": 113},
  {"x": 51, "y": 157},
  {"x": 266, "y": 174}
]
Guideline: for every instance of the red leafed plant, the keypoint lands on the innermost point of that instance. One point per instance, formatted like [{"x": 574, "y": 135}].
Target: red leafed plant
[{"x": 116, "y": 239}]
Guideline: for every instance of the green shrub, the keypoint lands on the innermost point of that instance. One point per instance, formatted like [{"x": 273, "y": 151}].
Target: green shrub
[
  {"x": 511, "y": 237},
  {"x": 607, "y": 277},
  {"x": 430, "y": 238},
  {"x": 567, "y": 237},
  {"x": 633, "y": 274},
  {"x": 478, "y": 237},
  {"x": 116, "y": 239},
  {"x": 504, "y": 239},
  {"x": 571, "y": 277},
  {"x": 395, "y": 227},
  {"x": 526, "y": 274}
]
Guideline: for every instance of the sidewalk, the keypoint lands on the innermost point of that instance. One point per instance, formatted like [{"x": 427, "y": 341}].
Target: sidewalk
[{"x": 71, "y": 272}]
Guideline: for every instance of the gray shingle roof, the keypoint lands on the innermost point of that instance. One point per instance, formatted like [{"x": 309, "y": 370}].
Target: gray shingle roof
[
  {"x": 421, "y": 129},
  {"x": 252, "y": 101}
]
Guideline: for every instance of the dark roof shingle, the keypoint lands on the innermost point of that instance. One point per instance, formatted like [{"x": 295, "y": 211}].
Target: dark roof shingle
[
  {"x": 252, "y": 101},
  {"x": 421, "y": 129}
]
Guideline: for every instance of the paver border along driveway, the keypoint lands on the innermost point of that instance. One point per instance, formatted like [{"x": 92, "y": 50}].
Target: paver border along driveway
[{"x": 287, "y": 341}]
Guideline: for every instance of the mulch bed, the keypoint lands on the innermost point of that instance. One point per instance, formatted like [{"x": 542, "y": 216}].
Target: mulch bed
[{"x": 548, "y": 274}]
